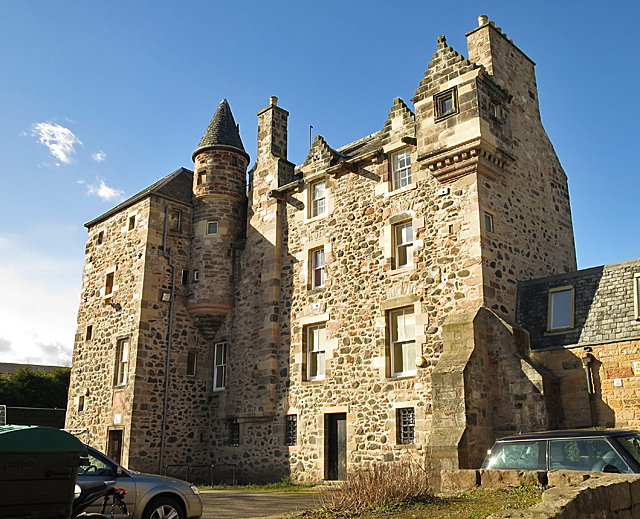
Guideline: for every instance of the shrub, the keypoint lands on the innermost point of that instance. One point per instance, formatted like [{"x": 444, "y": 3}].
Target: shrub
[{"x": 384, "y": 485}]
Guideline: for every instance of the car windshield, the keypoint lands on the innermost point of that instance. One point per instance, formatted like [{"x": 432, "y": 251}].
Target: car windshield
[
  {"x": 527, "y": 455},
  {"x": 96, "y": 466},
  {"x": 631, "y": 444}
]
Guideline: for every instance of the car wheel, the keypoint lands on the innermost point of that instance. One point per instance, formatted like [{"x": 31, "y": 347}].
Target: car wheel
[{"x": 163, "y": 508}]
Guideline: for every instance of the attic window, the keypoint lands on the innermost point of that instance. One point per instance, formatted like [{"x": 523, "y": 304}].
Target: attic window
[{"x": 446, "y": 103}]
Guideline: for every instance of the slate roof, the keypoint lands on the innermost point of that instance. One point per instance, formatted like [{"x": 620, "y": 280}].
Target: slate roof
[
  {"x": 222, "y": 130},
  {"x": 360, "y": 147},
  {"x": 176, "y": 185}
]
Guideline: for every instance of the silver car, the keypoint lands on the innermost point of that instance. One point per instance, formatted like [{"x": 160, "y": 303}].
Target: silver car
[{"x": 148, "y": 496}]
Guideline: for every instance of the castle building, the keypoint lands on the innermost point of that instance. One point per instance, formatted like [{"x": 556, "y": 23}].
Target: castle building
[{"x": 357, "y": 308}]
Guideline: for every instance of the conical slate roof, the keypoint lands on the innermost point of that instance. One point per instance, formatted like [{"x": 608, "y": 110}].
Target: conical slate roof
[{"x": 222, "y": 130}]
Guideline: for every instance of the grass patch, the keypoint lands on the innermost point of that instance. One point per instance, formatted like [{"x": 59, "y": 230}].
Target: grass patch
[
  {"x": 470, "y": 505},
  {"x": 284, "y": 485}
]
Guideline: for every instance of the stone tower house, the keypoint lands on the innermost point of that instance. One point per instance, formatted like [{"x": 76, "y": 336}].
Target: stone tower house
[{"x": 357, "y": 308}]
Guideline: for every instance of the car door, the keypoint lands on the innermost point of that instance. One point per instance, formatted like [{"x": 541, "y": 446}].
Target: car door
[{"x": 97, "y": 467}]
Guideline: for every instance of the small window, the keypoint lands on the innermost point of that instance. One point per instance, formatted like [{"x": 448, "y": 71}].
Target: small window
[
  {"x": 403, "y": 237},
  {"x": 108, "y": 284},
  {"x": 201, "y": 178},
  {"x": 132, "y": 222},
  {"x": 291, "y": 433},
  {"x": 184, "y": 277},
  {"x": 122, "y": 362},
  {"x": 318, "y": 199},
  {"x": 317, "y": 268},
  {"x": 406, "y": 426},
  {"x": 560, "y": 308},
  {"x": 401, "y": 169},
  {"x": 100, "y": 238},
  {"x": 88, "y": 333},
  {"x": 493, "y": 110},
  {"x": 212, "y": 227},
  {"x": 175, "y": 220},
  {"x": 488, "y": 222},
  {"x": 234, "y": 434},
  {"x": 219, "y": 366},
  {"x": 446, "y": 103},
  {"x": 196, "y": 276},
  {"x": 81, "y": 403},
  {"x": 403, "y": 342},
  {"x": 191, "y": 363},
  {"x": 636, "y": 298},
  {"x": 316, "y": 352}
]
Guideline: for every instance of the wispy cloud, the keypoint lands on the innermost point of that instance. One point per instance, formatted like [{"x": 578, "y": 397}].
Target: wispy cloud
[
  {"x": 58, "y": 139},
  {"x": 103, "y": 191},
  {"x": 99, "y": 156}
]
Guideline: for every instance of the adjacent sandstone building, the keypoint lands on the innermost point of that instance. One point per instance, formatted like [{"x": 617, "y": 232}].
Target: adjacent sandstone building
[{"x": 356, "y": 308}]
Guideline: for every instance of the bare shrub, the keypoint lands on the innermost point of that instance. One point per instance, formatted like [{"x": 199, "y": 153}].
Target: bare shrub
[{"x": 381, "y": 485}]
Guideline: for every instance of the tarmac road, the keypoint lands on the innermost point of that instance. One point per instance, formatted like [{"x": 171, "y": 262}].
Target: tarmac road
[{"x": 236, "y": 504}]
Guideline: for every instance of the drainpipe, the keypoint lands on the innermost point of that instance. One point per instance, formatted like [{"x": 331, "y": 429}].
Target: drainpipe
[
  {"x": 167, "y": 254},
  {"x": 587, "y": 361}
]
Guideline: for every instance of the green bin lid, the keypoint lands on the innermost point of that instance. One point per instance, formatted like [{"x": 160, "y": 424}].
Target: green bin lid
[{"x": 36, "y": 439}]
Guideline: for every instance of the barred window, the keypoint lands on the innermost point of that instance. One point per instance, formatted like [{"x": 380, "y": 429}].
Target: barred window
[
  {"x": 234, "y": 434},
  {"x": 292, "y": 429},
  {"x": 406, "y": 428}
]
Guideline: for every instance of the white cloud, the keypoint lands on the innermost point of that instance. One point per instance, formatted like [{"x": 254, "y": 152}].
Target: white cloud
[
  {"x": 39, "y": 304},
  {"x": 58, "y": 139},
  {"x": 103, "y": 191},
  {"x": 99, "y": 156}
]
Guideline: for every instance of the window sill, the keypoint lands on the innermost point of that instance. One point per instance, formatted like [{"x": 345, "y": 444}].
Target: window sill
[
  {"x": 316, "y": 381},
  {"x": 559, "y": 331},
  {"x": 403, "y": 270},
  {"x": 312, "y": 219},
  {"x": 406, "y": 446},
  {"x": 404, "y": 189},
  {"x": 402, "y": 376},
  {"x": 316, "y": 290}
]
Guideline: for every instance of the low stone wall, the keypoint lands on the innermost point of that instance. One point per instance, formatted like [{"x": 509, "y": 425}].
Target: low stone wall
[{"x": 574, "y": 494}]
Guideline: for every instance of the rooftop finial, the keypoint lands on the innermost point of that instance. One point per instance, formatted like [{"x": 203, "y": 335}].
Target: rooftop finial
[
  {"x": 482, "y": 19},
  {"x": 442, "y": 39}
]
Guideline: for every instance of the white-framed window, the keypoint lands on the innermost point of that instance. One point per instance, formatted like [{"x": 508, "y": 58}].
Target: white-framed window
[
  {"x": 636, "y": 295},
  {"x": 560, "y": 315},
  {"x": 488, "y": 222},
  {"x": 317, "y": 268},
  {"x": 212, "y": 227},
  {"x": 192, "y": 363},
  {"x": 175, "y": 220},
  {"x": 122, "y": 362},
  {"x": 196, "y": 276},
  {"x": 402, "y": 325},
  {"x": 318, "y": 198},
  {"x": 403, "y": 244},
  {"x": 406, "y": 426},
  {"x": 316, "y": 337},
  {"x": 400, "y": 169},
  {"x": 219, "y": 366}
]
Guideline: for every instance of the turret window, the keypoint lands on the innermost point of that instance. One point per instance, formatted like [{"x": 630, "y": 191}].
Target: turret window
[{"x": 212, "y": 227}]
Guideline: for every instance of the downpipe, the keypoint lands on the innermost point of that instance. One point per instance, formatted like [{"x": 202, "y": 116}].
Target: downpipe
[{"x": 167, "y": 253}]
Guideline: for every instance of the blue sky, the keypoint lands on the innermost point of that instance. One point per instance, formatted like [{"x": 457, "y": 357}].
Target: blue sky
[{"x": 100, "y": 99}]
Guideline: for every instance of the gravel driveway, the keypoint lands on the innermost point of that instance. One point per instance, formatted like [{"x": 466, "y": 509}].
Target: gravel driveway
[{"x": 236, "y": 504}]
